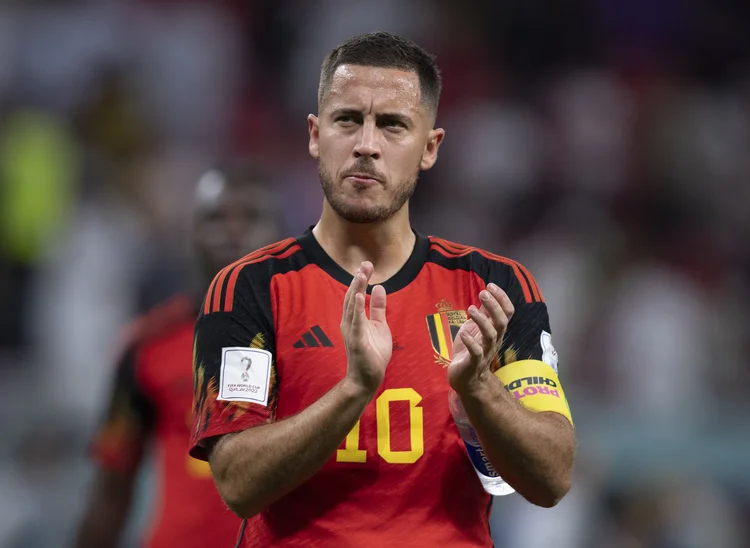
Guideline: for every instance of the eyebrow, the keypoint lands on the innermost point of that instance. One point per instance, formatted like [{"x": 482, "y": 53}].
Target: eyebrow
[{"x": 380, "y": 118}]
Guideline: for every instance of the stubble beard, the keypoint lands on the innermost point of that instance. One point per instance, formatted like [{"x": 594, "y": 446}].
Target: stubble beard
[{"x": 365, "y": 215}]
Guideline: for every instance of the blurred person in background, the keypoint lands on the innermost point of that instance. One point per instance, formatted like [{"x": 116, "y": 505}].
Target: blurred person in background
[
  {"x": 310, "y": 439},
  {"x": 582, "y": 103},
  {"x": 150, "y": 404},
  {"x": 39, "y": 172}
]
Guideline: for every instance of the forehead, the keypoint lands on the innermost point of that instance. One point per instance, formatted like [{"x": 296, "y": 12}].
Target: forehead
[{"x": 373, "y": 88}]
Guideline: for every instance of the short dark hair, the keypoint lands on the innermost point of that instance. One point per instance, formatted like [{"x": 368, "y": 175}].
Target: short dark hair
[{"x": 385, "y": 50}]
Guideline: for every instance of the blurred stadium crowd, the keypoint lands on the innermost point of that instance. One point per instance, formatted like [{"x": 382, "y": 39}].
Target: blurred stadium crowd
[{"x": 603, "y": 144}]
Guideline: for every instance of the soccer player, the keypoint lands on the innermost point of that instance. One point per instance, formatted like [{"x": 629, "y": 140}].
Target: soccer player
[
  {"x": 151, "y": 401},
  {"x": 322, "y": 411}
]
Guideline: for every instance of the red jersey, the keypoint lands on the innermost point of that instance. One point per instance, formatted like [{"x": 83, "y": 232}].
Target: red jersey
[
  {"x": 151, "y": 403},
  {"x": 402, "y": 477}
]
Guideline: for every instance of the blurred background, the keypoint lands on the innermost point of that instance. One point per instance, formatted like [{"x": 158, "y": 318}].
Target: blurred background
[{"x": 604, "y": 144}]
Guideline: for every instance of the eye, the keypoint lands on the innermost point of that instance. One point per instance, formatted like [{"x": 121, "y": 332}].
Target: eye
[
  {"x": 393, "y": 124},
  {"x": 345, "y": 119}
]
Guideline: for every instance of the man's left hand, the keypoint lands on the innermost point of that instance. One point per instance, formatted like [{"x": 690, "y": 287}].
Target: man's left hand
[{"x": 478, "y": 341}]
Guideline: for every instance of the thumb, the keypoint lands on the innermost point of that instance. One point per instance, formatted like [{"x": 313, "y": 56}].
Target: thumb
[{"x": 377, "y": 304}]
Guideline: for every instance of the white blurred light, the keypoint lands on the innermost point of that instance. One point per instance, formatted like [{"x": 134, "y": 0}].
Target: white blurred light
[{"x": 210, "y": 186}]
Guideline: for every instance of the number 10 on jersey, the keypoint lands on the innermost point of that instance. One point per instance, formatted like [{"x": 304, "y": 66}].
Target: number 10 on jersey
[{"x": 353, "y": 452}]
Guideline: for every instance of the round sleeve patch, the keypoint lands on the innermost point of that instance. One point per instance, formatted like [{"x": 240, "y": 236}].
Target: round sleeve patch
[{"x": 549, "y": 354}]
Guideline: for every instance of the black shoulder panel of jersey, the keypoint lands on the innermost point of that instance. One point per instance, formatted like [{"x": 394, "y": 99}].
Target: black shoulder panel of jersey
[
  {"x": 237, "y": 312},
  {"x": 507, "y": 273},
  {"x": 530, "y": 319},
  {"x": 246, "y": 283}
]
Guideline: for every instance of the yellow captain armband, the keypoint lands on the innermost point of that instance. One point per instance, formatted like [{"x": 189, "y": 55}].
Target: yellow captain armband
[{"x": 535, "y": 385}]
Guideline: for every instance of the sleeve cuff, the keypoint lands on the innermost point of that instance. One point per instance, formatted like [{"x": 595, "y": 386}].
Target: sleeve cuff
[{"x": 197, "y": 448}]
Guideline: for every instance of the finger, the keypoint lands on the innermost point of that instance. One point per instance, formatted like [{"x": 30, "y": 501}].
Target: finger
[
  {"x": 472, "y": 345},
  {"x": 377, "y": 304},
  {"x": 367, "y": 269},
  {"x": 347, "y": 316},
  {"x": 359, "y": 318},
  {"x": 354, "y": 288},
  {"x": 360, "y": 288},
  {"x": 488, "y": 331},
  {"x": 502, "y": 298},
  {"x": 360, "y": 282},
  {"x": 494, "y": 311},
  {"x": 348, "y": 298}
]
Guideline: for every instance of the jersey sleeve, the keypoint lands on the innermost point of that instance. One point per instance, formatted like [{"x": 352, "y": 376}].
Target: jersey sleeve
[
  {"x": 234, "y": 373},
  {"x": 529, "y": 336},
  {"x": 120, "y": 441}
]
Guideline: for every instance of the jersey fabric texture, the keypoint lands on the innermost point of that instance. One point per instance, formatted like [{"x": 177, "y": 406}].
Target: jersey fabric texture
[
  {"x": 402, "y": 476},
  {"x": 150, "y": 407}
]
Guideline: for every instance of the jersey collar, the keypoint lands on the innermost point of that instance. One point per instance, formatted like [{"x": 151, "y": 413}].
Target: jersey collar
[{"x": 398, "y": 281}]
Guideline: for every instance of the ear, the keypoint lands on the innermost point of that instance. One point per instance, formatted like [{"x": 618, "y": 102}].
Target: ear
[
  {"x": 429, "y": 156},
  {"x": 314, "y": 131}
]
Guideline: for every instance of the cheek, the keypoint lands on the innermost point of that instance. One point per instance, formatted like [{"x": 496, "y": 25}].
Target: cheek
[
  {"x": 335, "y": 145},
  {"x": 406, "y": 161},
  {"x": 327, "y": 142}
]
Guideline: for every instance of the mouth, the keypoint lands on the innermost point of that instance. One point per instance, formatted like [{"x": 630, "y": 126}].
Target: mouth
[{"x": 364, "y": 179}]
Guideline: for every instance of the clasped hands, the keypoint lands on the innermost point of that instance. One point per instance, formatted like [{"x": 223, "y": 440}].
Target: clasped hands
[{"x": 369, "y": 343}]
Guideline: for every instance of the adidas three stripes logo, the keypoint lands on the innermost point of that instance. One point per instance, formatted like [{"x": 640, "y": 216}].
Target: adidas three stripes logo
[{"x": 312, "y": 338}]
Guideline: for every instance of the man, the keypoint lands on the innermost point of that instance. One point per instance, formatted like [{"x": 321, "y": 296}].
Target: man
[
  {"x": 342, "y": 435},
  {"x": 151, "y": 401}
]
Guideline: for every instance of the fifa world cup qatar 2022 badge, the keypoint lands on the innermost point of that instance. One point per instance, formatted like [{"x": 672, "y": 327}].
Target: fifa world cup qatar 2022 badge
[
  {"x": 245, "y": 375},
  {"x": 248, "y": 364},
  {"x": 443, "y": 327}
]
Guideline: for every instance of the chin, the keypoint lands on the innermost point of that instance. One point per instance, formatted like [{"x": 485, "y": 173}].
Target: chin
[
  {"x": 369, "y": 205},
  {"x": 359, "y": 213}
]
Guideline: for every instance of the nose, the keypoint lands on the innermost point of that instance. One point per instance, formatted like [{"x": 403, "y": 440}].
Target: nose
[{"x": 368, "y": 144}]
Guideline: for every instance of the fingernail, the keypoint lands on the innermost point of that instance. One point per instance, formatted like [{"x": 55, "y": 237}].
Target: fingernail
[
  {"x": 492, "y": 287},
  {"x": 485, "y": 295},
  {"x": 472, "y": 309}
]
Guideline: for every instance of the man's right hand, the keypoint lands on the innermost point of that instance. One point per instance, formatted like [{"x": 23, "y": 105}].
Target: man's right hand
[
  {"x": 368, "y": 342},
  {"x": 279, "y": 456}
]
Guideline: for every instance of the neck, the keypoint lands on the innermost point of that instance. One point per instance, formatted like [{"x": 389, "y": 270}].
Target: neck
[{"x": 386, "y": 245}]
